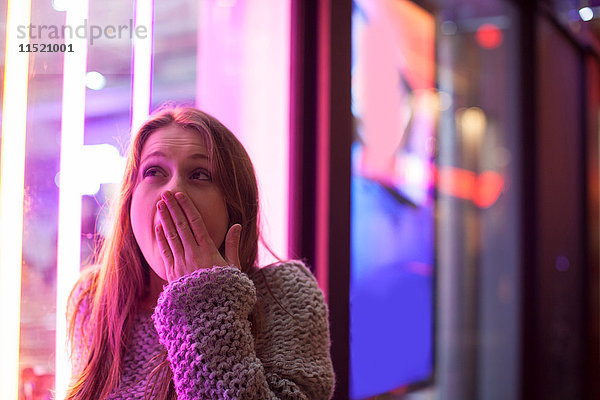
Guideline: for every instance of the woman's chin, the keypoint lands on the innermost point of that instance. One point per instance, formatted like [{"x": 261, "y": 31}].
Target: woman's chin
[{"x": 158, "y": 270}]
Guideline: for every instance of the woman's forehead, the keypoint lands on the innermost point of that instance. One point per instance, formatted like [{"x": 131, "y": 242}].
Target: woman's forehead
[{"x": 175, "y": 142}]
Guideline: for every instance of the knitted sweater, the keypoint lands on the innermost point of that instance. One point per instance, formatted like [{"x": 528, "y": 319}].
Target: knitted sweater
[{"x": 202, "y": 321}]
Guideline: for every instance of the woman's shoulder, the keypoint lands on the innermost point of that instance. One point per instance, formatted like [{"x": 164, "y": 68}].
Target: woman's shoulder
[
  {"x": 288, "y": 269},
  {"x": 82, "y": 290},
  {"x": 87, "y": 277},
  {"x": 286, "y": 278}
]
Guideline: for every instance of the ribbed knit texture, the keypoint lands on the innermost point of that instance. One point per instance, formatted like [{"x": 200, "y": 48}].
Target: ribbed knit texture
[{"x": 202, "y": 321}]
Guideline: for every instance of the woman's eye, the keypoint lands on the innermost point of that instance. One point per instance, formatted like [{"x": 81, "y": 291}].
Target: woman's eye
[
  {"x": 149, "y": 171},
  {"x": 201, "y": 173}
]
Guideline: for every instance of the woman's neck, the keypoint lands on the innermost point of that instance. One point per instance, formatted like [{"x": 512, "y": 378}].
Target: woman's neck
[{"x": 155, "y": 288}]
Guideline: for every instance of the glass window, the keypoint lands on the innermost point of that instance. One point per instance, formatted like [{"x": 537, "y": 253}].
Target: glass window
[
  {"x": 392, "y": 211},
  {"x": 229, "y": 57}
]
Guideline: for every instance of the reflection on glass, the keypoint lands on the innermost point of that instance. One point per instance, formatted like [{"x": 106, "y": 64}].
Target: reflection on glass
[
  {"x": 477, "y": 206},
  {"x": 391, "y": 288}
]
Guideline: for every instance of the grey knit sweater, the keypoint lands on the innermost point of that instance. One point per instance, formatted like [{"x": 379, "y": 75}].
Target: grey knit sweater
[{"x": 202, "y": 321}]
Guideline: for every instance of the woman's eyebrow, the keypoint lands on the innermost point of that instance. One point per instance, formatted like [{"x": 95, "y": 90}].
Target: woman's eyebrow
[{"x": 159, "y": 153}]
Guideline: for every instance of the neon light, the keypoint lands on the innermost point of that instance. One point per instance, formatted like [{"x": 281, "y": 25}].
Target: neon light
[
  {"x": 12, "y": 170},
  {"x": 323, "y": 148},
  {"x": 247, "y": 88},
  {"x": 142, "y": 63},
  {"x": 69, "y": 205},
  {"x": 265, "y": 110},
  {"x": 100, "y": 163}
]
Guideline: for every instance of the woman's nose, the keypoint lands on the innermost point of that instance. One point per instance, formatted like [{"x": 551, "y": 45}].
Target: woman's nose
[{"x": 176, "y": 184}]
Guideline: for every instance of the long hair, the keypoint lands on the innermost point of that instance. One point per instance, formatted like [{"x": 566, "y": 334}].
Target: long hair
[{"x": 117, "y": 287}]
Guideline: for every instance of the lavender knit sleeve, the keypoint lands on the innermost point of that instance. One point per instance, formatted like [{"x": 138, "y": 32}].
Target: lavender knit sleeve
[{"x": 202, "y": 320}]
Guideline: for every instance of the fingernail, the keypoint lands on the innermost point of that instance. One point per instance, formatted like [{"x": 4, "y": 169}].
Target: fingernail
[
  {"x": 179, "y": 196},
  {"x": 161, "y": 205}
]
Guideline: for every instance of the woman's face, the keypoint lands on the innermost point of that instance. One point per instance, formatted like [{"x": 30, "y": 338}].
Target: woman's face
[{"x": 181, "y": 166}]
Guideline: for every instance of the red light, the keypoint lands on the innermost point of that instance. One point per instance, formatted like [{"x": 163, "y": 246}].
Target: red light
[
  {"x": 488, "y": 188},
  {"x": 483, "y": 189},
  {"x": 489, "y": 36}
]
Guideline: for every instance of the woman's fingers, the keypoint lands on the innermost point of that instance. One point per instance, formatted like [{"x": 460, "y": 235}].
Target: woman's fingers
[
  {"x": 232, "y": 245},
  {"x": 198, "y": 229},
  {"x": 184, "y": 241},
  {"x": 165, "y": 251},
  {"x": 170, "y": 231},
  {"x": 181, "y": 222}
]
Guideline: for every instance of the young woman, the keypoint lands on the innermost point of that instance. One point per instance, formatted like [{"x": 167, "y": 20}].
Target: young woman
[{"x": 177, "y": 307}]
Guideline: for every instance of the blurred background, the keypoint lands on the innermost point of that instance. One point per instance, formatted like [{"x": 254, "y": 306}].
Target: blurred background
[{"x": 435, "y": 163}]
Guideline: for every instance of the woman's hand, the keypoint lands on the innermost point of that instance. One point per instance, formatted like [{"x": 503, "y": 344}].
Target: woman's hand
[{"x": 184, "y": 242}]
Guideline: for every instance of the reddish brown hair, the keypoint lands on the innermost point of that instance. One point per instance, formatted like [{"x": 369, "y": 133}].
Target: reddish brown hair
[{"x": 116, "y": 288}]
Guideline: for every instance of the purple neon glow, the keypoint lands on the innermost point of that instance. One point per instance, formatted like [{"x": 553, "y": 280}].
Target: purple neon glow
[
  {"x": 243, "y": 79},
  {"x": 69, "y": 205},
  {"x": 100, "y": 163},
  {"x": 142, "y": 64},
  {"x": 12, "y": 171}
]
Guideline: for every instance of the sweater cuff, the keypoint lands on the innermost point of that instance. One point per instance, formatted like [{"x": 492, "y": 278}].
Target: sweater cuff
[{"x": 205, "y": 290}]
